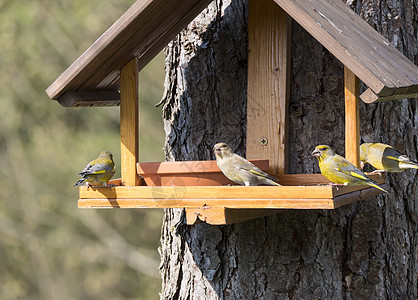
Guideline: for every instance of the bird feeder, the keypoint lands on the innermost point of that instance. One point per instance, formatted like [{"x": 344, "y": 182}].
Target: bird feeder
[{"x": 106, "y": 74}]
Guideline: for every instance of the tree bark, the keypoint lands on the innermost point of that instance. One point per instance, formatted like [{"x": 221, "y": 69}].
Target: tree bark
[{"x": 365, "y": 250}]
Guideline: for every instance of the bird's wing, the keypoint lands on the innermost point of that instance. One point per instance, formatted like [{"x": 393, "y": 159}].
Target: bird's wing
[
  {"x": 395, "y": 155},
  {"x": 247, "y": 166},
  {"x": 344, "y": 166},
  {"x": 96, "y": 168}
]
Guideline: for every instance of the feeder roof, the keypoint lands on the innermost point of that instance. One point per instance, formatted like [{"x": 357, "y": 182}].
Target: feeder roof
[{"x": 149, "y": 25}]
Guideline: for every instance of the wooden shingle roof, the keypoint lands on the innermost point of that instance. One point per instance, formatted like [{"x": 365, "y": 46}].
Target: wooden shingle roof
[
  {"x": 385, "y": 70},
  {"x": 142, "y": 31},
  {"x": 149, "y": 25}
]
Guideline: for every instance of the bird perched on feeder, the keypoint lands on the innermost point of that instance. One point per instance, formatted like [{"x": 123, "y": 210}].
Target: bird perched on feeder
[
  {"x": 385, "y": 158},
  {"x": 240, "y": 170},
  {"x": 339, "y": 170},
  {"x": 98, "y": 171}
]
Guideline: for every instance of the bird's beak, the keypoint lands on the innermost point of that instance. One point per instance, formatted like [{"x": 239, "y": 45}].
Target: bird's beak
[
  {"x": 316, "y": 152},
  {"x": 217, "y": 151}
]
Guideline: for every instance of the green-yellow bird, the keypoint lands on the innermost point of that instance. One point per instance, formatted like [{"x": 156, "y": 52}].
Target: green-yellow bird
[
  {"x": 385, "y": 158},
  {"x": 240, "y": 170},
  {"x": 98, "y": 171},
  {"x": 339, "y": 170}
]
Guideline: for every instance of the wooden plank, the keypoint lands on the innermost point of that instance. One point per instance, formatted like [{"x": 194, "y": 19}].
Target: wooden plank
[
  {"x": 322, "y": 203},
  {"x": 268, "y": 84},
  {"x": 358, "y": 46},
  {"x": 180, "y": 167},
  {"x": 302, "y": 179},
  {"x": 188, "y": 173},
  {"x": 352, "y": 117},
  {"x": 310, "y": 190},
  {"x": 164, "y": 25},
  {"x": 370, "y": 41},
  {"x": 89, "y": 99},
  {"x": 195, "y": 198},
  {"x": 210, "y": 215},
  {"x": 369, "y": 97},
  {"x": 223, "y": 193},
  {"x": 142, "y": 31},
  {"x": 150, "y": 24},
  {"x": 129, "y": 123}
]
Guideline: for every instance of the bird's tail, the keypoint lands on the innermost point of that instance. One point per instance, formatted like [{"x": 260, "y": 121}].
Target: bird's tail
[
  {"x": 375, "y": 185},
  {"x": 408, "y": 165},
  {"x": 80, "y": 182}
]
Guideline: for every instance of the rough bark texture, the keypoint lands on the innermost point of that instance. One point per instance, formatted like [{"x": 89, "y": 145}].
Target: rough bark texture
[{"x": 365, "y": 250}]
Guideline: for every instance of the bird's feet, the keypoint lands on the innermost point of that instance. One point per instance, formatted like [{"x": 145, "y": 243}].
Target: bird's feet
[
  {"x": 111, "y": 185},
  {"x": 336, "y": 185},
  {"x": 379, "y": 172}
]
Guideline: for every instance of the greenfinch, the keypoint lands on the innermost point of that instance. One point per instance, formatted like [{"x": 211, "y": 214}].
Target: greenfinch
[
  {"x": 98, "y": 171},
  {"x": 385, "y": 158},
  {"x": 339, "y": 170},
  {"x": 240, "y": 170}
]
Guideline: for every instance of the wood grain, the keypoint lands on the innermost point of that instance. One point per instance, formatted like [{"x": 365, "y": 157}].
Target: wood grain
[
  {"x": 178, "y": 167},
  {"x": 352, "y": 117},
  {"x": 129, "y": 123},
  {"x": 356, "y": 44},
  {"x": 195, "y": 199},
  {"x": 208, "y": 214},
  {"x": 142, "y": 31},
  {"x": 268, "y": 84},
  {"x": 321, "y": 203},
  {"x": 230, "y": 194},
  {"x": 148, "y": 25}
]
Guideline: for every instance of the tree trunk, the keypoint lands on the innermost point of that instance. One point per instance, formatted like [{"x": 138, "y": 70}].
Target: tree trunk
[{"x": 365, "y": 250}]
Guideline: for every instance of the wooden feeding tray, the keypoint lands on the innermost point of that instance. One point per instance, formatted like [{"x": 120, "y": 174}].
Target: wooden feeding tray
[{"x": 227, "y": 204}]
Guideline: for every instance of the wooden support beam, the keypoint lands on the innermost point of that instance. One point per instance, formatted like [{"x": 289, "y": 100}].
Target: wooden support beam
[
  {"x": 89, "y": 99},
  {"x": 369, "y": 96},
  {"x": 129, "y": 123},
  {"x": 268, "y": 84},
  {"x": 352, "y": 119}
]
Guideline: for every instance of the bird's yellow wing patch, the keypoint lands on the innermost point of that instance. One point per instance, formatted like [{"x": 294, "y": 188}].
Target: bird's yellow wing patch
[
  {"x": 354, "y": 174},
  {"x": 99, "y": 172},
  {"x": 255, "y": 172},
  {"x": 393, "y": 158}
]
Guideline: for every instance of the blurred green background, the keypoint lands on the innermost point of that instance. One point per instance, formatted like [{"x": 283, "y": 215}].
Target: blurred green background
[{"x": 50, "y": 249}]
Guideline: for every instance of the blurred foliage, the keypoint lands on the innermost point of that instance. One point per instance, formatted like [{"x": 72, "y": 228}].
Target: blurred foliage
[{"x": 49, "y": 249}]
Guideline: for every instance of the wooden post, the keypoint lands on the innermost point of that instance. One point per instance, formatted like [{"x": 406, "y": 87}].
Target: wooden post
[
  {"x": 129, "y": 120},
  {"x": 352, "y": 119},
  {"x": 268, "y": 84}
]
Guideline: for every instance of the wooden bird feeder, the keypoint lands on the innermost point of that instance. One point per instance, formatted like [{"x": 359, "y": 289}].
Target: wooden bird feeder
[{"x": 106, "y": 74}]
